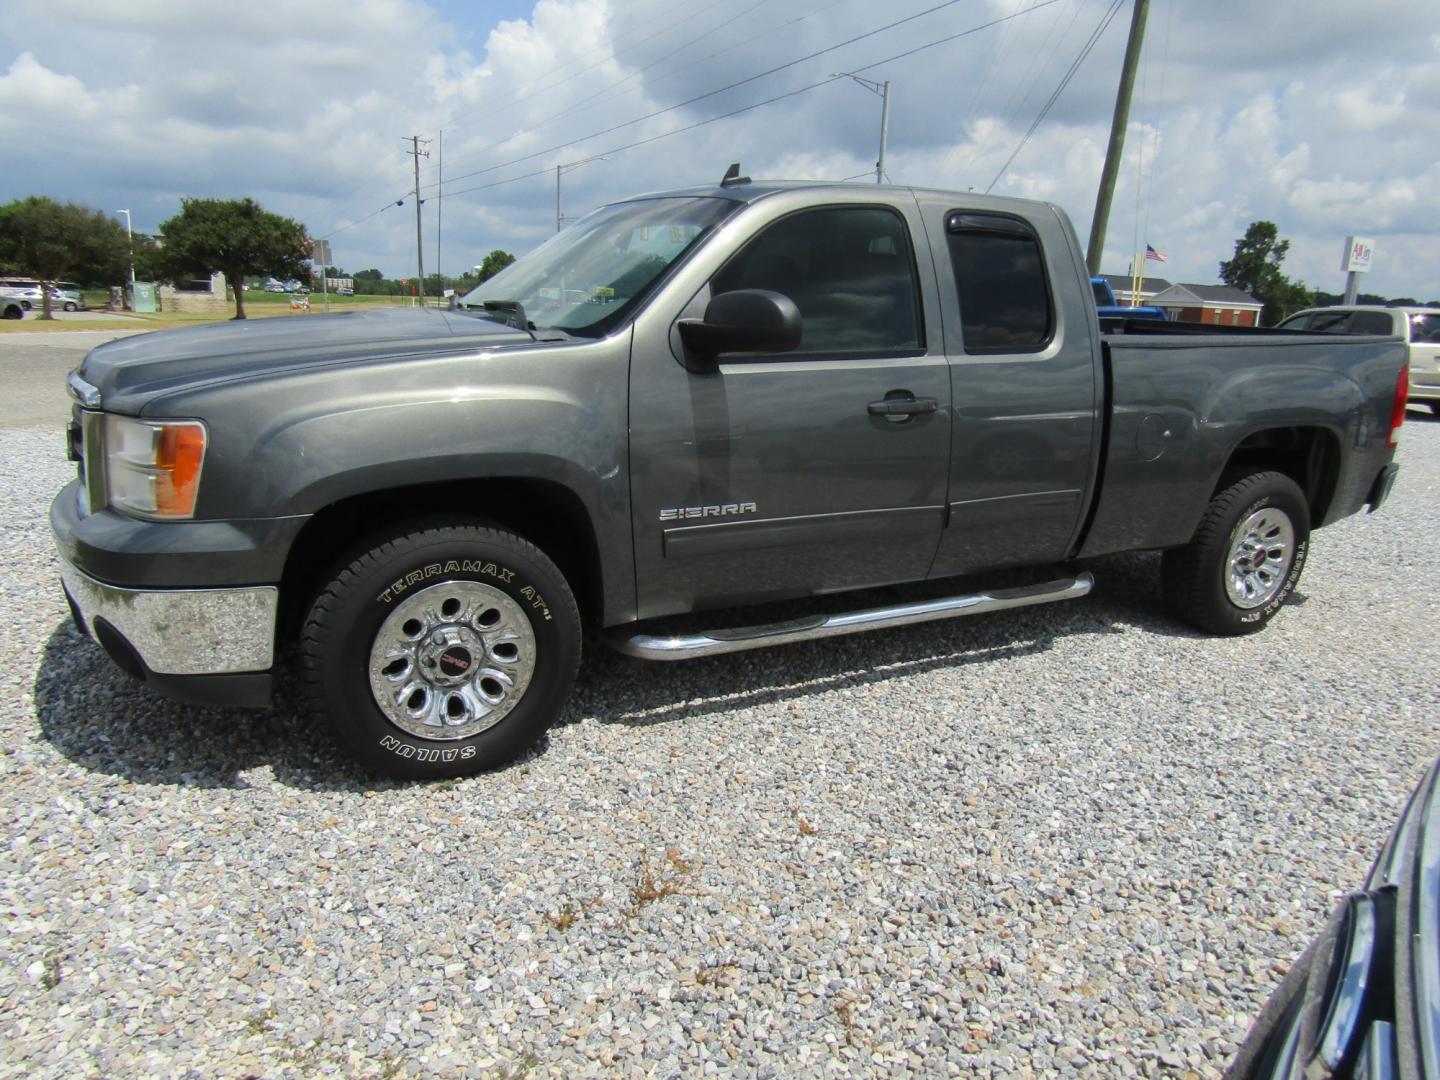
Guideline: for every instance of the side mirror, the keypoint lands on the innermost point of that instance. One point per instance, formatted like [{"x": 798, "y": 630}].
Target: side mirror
[{"x": 744, "y": 321}]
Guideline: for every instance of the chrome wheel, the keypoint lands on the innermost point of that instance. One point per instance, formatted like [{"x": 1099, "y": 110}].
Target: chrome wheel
[
  {"x": 1261, "y": 550},
  {"x": 452, "y": 660}
]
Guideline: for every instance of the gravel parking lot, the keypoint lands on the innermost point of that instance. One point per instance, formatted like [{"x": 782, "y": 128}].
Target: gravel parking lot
[{"x": 1070, "y": 838}]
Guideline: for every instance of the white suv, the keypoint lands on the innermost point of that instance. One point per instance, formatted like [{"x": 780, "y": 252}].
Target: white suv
[
  {"x": 26, "y": 290},
  {"x": 1418, "y": 326}
]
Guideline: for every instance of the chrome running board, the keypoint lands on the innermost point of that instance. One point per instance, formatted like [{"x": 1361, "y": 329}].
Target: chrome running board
[{"x": 712, "y": 642}]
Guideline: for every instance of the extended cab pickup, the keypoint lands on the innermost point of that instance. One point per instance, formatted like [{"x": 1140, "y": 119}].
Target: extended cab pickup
[{"x": 682, "y": 404}]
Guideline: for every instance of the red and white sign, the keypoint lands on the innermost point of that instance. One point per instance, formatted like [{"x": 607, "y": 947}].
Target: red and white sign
[{"x": 1358, "y": 251}]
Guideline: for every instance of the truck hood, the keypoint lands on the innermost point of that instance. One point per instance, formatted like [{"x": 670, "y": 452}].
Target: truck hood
[{"x": 129, "y": 371}]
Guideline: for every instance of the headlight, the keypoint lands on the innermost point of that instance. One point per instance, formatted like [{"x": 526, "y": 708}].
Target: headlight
[{"x": 152, "y": 467}]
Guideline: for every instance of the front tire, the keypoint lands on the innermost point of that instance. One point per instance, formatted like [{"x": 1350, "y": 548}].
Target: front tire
[
  {"x": 442, "y": 651},
  {"x": 1245, "y": 559}
]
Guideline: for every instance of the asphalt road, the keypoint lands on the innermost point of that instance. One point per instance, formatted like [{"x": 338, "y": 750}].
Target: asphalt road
[{"x": 33, "y": 367}]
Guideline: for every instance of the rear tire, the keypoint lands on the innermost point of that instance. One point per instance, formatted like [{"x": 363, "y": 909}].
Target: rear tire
[
  {"x": 442, "y": 651},
  {"x": 1245, "y": 559}
]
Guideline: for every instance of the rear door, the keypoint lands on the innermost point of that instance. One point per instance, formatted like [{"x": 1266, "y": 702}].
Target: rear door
[
  {"x": 1021, "y": 337},
  {"x": 771, "y": 476}
]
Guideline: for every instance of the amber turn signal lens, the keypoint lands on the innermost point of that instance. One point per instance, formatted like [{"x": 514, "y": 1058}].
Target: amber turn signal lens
[{"x": 178, "y": 458}]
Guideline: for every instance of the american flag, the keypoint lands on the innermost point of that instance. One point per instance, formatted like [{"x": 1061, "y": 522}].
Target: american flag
[{"x": 1155, "y": 256}]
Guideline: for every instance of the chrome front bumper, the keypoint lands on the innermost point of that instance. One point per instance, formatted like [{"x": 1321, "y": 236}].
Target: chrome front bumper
[{"x": 182, "y": 631}]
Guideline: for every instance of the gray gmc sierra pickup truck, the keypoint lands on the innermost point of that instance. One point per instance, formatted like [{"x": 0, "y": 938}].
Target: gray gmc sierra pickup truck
[{"x": 686, "y": 403}]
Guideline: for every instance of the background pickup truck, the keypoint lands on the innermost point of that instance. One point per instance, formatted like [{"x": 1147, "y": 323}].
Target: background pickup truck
[
  {"x": 1107, "y": 308},
  {"x": 682, "y": 404}
]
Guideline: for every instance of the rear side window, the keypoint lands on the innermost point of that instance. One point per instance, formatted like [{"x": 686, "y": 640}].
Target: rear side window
[
  {"x": 849, "y": 270},
  {"x": 1370, "y": 322},
  {"x": 1330, "y": 322},
  {"x": 1425, "y": 329},
  {"x": 1005, "y": 302}
]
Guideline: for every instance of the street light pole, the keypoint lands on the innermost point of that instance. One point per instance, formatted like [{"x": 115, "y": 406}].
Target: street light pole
[
  {"x": 883, "y": 89},
  {"x": 130, "y": 245},
  {"x": 564, "y": 168}
]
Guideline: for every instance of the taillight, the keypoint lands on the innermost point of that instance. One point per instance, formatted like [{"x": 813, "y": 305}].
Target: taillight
[{"x": 1397, "y": 410}]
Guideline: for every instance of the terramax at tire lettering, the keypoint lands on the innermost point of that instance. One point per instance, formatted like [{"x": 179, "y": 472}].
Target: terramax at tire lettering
[{"x": 441, "y": 649}]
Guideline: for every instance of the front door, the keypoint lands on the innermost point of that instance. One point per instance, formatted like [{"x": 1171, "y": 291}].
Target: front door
[{"x": 784, "y": 475}]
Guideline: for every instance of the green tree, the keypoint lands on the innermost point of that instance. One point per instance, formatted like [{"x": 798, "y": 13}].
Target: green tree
[
  {"x": 236, "y": 237},
  {"x": 61, "y": 240},
  {"x": 368, "y": 275},
  {"x": 1255, "y": 268},
  {"x": 493, "y": 263},
  {"x": 148, "y": 258}
]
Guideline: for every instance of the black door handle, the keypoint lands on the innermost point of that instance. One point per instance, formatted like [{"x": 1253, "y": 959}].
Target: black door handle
[{"x": 902, "y": 403}]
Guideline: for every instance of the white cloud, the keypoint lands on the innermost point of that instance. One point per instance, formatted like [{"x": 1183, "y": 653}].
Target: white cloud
[{"x": 306, "y": 111}]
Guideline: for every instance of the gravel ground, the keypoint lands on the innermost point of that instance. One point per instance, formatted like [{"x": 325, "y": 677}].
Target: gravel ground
[{"x": 1076, "y": 838}]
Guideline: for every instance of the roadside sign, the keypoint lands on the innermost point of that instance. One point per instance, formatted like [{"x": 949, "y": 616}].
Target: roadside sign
[{"x": 1358, "y": 252}]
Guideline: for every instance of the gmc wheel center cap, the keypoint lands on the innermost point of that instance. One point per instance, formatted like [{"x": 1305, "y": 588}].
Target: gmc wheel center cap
[
  {"x": 455, "y": 661},
  {"x": 453, "y": 656}
]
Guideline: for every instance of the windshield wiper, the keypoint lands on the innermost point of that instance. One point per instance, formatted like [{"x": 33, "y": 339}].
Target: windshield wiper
[{"x": 508, "y": 313}]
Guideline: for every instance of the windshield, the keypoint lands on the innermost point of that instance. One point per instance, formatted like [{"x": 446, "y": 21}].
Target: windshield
[{"x": 587, "y": 279}]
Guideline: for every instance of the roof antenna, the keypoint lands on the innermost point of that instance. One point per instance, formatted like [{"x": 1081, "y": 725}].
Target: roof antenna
[{"x": 733, "y": 177}]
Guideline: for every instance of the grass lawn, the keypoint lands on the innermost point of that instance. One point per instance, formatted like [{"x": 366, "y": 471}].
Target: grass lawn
[{"x": 258, "y": 305}]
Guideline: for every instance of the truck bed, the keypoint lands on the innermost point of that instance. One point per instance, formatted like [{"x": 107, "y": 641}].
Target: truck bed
[{"x": 1181, "y": 398}]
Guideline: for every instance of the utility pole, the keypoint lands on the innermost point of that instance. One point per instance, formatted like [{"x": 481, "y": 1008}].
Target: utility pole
[
  {"x": 419, "y": 247},
  {"x": 883, "y": 89},
  {"x": 560, "y": 170},
  {"x": 439, "y": 204},
  {"x": 1116, "y": 149}
]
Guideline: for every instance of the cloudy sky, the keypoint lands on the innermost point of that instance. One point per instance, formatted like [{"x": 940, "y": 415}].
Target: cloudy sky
[{"x": 1321, "y": 116}]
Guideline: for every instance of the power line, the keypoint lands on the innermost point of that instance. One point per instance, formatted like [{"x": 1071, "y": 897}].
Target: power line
[
  {"x": 1085, "y": 50},
  {"x": 1039, "y": 63},
  {"x": 748, "y": 108},
  {"x": 609, "y": 52},
  {"x": 714, "y": 119},
  {"x": 763, "y": 74},
  {"x": 594, "y": 99}
]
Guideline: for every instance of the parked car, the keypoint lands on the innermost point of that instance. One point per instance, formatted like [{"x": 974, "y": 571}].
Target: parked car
[
  {"x": 10, "y": 308},
  {"x": 1419, "y": 327},
  {"x": 67, "y": 296},
  {"x": 682, "y": 405},
  {"x": 26, "y": 290},
  {"x": 1363, "y": 1000}
]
